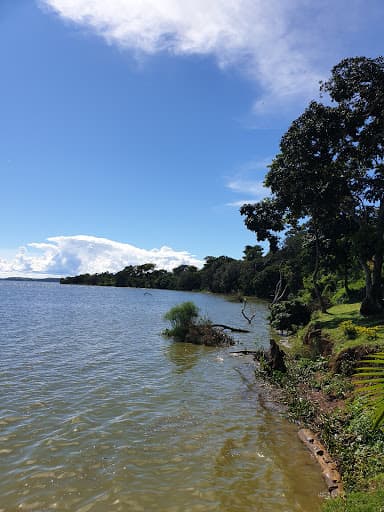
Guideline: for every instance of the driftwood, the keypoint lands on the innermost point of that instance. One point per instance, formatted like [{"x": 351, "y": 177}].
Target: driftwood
[
  {"x": 328, "y": 466},
  {"x": 233, "y": 329}
]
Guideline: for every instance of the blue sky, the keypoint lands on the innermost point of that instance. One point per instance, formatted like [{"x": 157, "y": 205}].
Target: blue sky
[{"x": 128, "y": 126}]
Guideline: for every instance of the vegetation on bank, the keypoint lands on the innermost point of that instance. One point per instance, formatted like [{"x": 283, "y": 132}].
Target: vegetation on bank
[
  {"x": 322, "y": 361},
  {"x": 357, "y": 502},
  {"x": 186, "y": 326}
]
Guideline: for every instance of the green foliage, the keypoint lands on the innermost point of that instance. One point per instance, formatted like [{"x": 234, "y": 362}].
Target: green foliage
[
  {"x": 370, "y": 331},
  {"x": 330, "y": 165},
  {"x": 289, "y": 313},
  {"x": 349, "y": 329},
  {"x": 255, "y": 275},
  {"x": 352, "y": 331},
  {"x": 302, "y": 373},
  {"x": 187, "y": 327},
  {"x": 348, "y": 433},
  {"x": 357, "y": 447},
  {"x": 357, "y": 502},
  {"x": 181, "y": 318},
  {"x": 355, "y": 292},
  {"x": 369, "y": 380},
  {"x": 309, "y": 389},
  {"x": 334, "y": 386}
]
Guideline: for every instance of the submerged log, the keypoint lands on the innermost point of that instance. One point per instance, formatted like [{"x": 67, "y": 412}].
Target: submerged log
[{"x": 328, "y": 466}]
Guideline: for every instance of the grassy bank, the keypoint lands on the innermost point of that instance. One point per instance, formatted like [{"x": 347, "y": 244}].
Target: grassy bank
[{"x": 319, "y": 394}]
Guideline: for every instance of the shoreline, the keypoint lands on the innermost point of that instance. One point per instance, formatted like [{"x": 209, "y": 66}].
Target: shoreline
[
  {"x": 316, "y": 393},
  {"x": 275, "y": 399}
]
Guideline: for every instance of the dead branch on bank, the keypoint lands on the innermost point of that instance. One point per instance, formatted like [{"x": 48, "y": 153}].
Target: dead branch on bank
[{"x": 249, "y": 319}]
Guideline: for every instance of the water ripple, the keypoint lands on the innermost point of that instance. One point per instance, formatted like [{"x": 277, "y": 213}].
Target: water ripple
[{"x": 99, "y": 412}]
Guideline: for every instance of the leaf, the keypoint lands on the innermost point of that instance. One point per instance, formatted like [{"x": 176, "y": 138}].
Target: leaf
[{"x": 369, "y": 381}]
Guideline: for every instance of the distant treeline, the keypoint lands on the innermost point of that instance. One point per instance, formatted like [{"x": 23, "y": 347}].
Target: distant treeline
[
  {"x": 255, "y": 274},
  {"x": 286, "y": 271}
]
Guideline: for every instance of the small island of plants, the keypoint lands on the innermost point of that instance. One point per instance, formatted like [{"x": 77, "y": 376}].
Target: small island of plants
[{"x": 187, "y": 326}]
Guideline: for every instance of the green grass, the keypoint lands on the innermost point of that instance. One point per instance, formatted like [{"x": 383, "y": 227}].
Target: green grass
[
  {"x": 357, "y": 291},
  {"x": 331, "y": 321},
  {"x": 347, "y": 432},
  {"x": 357, "y": 502}
]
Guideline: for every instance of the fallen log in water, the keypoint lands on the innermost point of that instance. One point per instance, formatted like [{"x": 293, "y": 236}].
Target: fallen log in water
[
  {"x": 245, "y": 352},
  {"x": 233, "y": 329},
  {"x": 328, "y": 466}
]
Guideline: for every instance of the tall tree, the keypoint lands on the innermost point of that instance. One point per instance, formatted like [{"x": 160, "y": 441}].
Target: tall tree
[
  {"x": 330, "y": 173},
  {"x": 357, "y": 87}
]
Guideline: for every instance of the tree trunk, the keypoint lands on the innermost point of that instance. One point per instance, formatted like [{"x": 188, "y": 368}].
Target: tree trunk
[
  {"x": 279, "y": 295},
  {"x": 346, "y": 284},
  {"x": 315, "y": 273},
  {"x": 373, "y": 301}
]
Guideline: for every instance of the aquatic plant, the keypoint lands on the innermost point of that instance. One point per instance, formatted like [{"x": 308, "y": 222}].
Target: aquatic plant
[
  {"x": 188, "y": 327},
  {"x": 181, "y": 318}
]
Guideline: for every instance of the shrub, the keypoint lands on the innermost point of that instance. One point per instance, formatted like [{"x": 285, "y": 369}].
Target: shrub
[
  {"x": 181, "y": 317},
  {"x": 349, "y": 329},
  {"x": 186, "y": 327},
  {"x": 289, "y": 313},
  {"x": 369, "y": 332},
  {"x": 352, "y": 331}
]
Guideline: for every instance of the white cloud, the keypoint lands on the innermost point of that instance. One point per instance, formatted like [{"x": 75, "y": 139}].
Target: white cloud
[
  {"x": 72, "y": 255},
  {"x": 255, "y": 189},
  {"x": 249, "y": 181},
  {"x": 277, "y": 43}
]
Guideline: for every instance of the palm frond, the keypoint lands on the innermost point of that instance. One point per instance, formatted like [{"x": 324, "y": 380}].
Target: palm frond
[{"x": 369, "y": 381}]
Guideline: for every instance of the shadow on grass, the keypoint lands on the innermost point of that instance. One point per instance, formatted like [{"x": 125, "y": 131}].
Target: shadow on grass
[{"x": 333, "y": 320}]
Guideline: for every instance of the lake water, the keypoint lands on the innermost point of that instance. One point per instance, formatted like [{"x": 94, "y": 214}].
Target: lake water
[{"x": 100, "y": 413}]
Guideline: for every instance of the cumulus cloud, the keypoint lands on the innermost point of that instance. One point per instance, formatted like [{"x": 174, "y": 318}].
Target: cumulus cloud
[
  {"x": 72, "y": 255},
  {"x": 277, "y": 43}
]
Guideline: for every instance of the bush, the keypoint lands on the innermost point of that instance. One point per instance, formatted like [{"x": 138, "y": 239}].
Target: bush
[
  {"x": 287, "y": 314},
  {"x": 352, "y": 331},
  {"x": 181, "y": 317},
  {"x": 349, "y": 329},
  {"x": 186, "y": 327}
]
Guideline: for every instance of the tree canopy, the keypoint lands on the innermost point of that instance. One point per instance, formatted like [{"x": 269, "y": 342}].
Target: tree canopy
[{"x": 329, "y": 174}]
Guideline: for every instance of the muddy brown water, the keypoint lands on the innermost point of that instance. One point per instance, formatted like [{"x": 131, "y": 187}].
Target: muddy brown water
[{"x": 100, "y": 413}]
